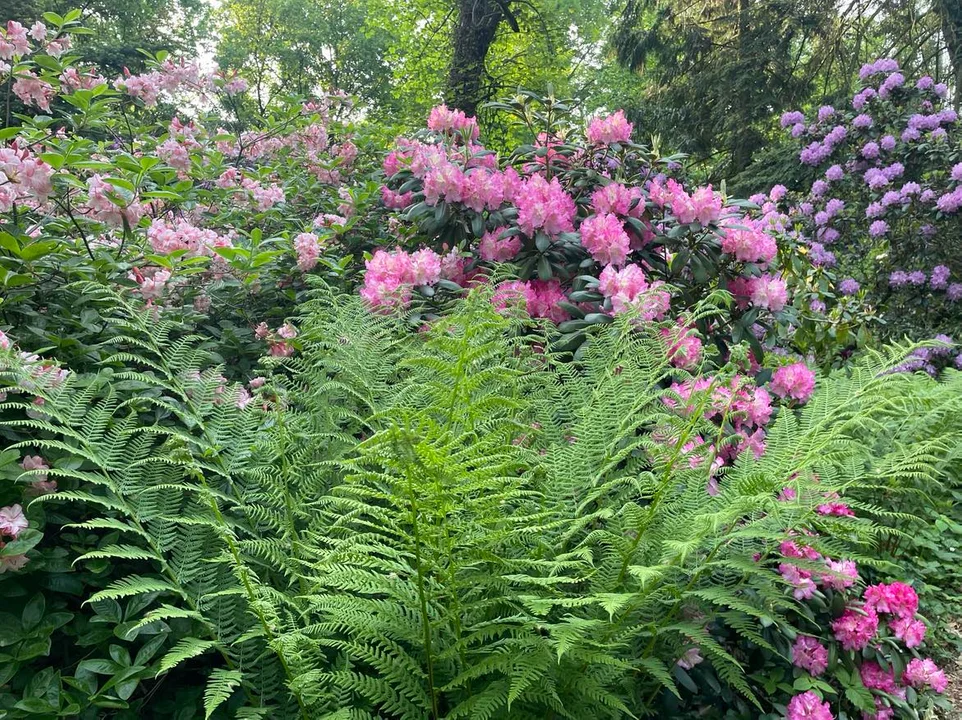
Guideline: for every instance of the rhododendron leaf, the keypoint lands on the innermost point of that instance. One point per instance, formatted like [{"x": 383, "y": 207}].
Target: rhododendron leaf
[
  {"x": 542, "y": 242},
  {"x": 7, "y": 133},
  {"x": 598, "y": 318},
  {"x": 9, "y": 242},
  {"x": 544, "y": 268},
  {"x": 684, "y": 679}
]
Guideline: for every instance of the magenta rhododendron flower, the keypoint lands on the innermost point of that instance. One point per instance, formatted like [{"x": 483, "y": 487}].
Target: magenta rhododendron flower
[
  {"x": 809, "y": 706},
  {"x": 809, "y": 654},
  {"x": 799, "y": 579},
  {"x": 12, "y": 521},
  {"x": 895, "y": 598},
  {"x": 616, "y": 198},
  {"x": 795, "y": 381},
  {"x": 875, "y": 678},
  {"x": 921, "y": 673},
  {"x": 611, "y": 129},
  {"x": 856, "y": 628},
  {"x": 684, "y": 347}
]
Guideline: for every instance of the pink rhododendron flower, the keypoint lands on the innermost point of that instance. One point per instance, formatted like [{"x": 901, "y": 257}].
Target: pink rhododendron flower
[
  {"x": 445, "y": 182},
  {"x": 855, "y": 629},
  {"x": 691, "y": 658},
  {"x": 924, "y": 673},
  {"x": 794, "y": 381},
  {"x": 809, "y": 706},
  {"x": 799, "y": 579},
  {"x": 425, "y": 267},
  {"x": 605, "y": 238},
  {"x": 769, "y": 292},
  {"x": 151, "y": 287},
  {"x": 14, "y": 41},
  {"x": 616, "y": 198},
  {"x": 809, "y": 654},
  {"x": 749, "y": 245},
  {"x": 33, "y": 91},
  {"x": 287, "y": 331},
  {"x": 12, "y": 521},
  {"x": 843, "y": 574},
  {"x": 395, "y": 200},
  {"x": 5, "y": 343},
  {"x": 441, "y": 119},
  {"x": 611, "y": 129},
  {"x": 308, "y": 250},
  {"x": 544, "y": 206},
  {"x": 704, "y": 205},
  {"x": 629, "y": 289},
  {"x": 911, "y": 632},
  {"x": 684, "y": 347},
  {"x": 875, "y": 678},
  {"x": 895, "y": 598},
  {"x": 494, "y": 248}
]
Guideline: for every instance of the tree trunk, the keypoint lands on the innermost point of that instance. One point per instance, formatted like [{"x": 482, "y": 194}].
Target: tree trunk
[
  {"x": 742, "y": 151},
  {"x": 950, "y": 13},
  {"x": 478, "y": 22}
]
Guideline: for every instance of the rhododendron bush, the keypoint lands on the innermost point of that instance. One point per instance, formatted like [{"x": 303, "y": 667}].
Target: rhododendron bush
[
  {"x": 595, "y": 223},
  {"x": 881, "y": 216},
  {"x": 162, "y": 184}
]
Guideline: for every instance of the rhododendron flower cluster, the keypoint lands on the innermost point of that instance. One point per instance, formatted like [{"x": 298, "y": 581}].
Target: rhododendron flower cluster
[
  {"x": 809, "y": 706},
  {"x": 628, "y": 290},
  {"x": 12, "y": 523},
  {"x": 896, "y": 187},
  {"x": 795, "y": 382},
  {"x": 391, "y": 276},
  {"x": 809, "y": 654},
  {"x": 606, "y": 130}
]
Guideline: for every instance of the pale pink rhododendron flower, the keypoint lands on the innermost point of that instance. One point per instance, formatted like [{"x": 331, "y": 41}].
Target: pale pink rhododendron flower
[
  {"x": 614, "y": 128},
  {"x": 5, "y": 343},
  {"x": 809, "y": 706},
  {"x": 809, "y": 654},
  {"x": 287, "y": 331},
  {"x": 308, "y": 250},
  {"x": 12, "y": 521},
  {"x": 13, "y": 42},
  {"x": 795, "y": 381},
  {"x": 691, "y": 658},
  {"x": 11, "y": 562}
]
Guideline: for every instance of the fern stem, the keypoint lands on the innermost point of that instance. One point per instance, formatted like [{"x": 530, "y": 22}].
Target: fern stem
[{"x": 422, "y": 597}]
